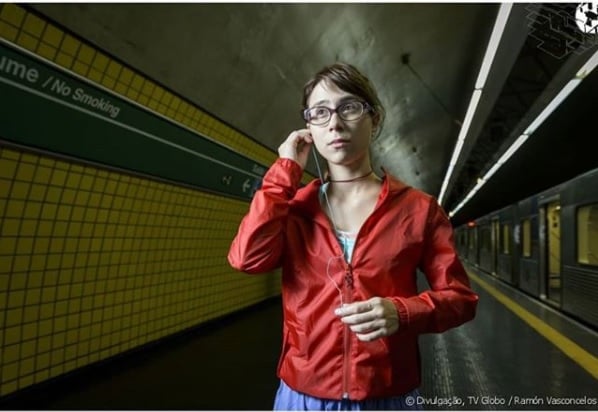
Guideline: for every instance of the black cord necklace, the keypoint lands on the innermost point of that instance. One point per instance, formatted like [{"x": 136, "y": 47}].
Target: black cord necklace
[{"x": 351, "y": 180}]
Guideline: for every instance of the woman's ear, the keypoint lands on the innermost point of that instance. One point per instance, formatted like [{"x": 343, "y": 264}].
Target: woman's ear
[
  {"x": 375, "y": 124},
  {"x": 375, "y": 121}
]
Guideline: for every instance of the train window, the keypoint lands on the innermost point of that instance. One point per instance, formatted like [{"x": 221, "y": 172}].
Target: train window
[
  {"x": 587, "y": 235},
  {"x": 526, "y": 237},
  {"x": 485, "y": 241},
  {"x": 506, "y": 239},
  {"x": 472, "y": 239}
]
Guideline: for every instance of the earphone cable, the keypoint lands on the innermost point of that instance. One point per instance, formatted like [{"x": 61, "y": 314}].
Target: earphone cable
[{"x": 336, "y": 231}]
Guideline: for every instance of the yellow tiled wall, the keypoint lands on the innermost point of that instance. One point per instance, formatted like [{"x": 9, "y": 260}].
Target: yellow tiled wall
[{"x": 94, "y": 262}]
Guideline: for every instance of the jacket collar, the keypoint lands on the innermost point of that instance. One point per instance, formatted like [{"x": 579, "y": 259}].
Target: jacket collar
[{"x": 307, "y": 200}]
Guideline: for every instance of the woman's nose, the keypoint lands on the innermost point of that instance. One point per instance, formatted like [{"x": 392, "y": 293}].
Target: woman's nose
[{"x": 335, "y": 121}]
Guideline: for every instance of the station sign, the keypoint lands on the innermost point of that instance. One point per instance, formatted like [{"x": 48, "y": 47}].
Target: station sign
[{"x": 45, "y": 106}]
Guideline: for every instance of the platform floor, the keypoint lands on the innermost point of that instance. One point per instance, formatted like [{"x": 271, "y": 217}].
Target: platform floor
[{"x": 497, "y": 361}]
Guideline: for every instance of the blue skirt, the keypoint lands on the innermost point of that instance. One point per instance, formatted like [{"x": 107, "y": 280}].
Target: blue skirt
[{"x": 289, "y": 400}]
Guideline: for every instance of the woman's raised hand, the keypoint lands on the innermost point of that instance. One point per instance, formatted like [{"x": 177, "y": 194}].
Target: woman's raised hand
[{"x": 296, "y": 146}]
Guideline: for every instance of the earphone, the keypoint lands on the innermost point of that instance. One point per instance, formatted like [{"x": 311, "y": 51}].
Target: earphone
[{"x": 336, "y": 231}]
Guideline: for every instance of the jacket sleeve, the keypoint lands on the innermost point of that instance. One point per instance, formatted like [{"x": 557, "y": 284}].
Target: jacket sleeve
[
  {"x": 450, "y": 301},
  {"x": 259, "y": 242}
]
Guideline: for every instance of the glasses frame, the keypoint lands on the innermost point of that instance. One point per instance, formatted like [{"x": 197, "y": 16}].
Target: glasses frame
[{"x": 366, "y": 108}]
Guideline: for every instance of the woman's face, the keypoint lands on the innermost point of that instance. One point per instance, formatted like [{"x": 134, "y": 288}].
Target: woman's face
[{"x": 340, "y": 141}]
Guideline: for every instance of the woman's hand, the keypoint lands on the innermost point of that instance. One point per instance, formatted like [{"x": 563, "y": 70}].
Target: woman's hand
[
  {"x": 370, "y": 319},
  {"x": 296, "y": 146}
]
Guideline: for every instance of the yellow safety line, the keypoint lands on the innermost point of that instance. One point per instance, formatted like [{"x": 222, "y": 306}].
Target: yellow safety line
[{"x": 582, "y": 357}]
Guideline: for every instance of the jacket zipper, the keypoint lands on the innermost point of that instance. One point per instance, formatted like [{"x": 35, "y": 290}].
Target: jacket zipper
[{"x": 348, "y": 298}]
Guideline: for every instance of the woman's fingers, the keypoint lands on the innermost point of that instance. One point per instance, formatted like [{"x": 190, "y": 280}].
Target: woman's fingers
[
  {"x": 371, "y": 319},
  {"x": 296, "y": 146}
]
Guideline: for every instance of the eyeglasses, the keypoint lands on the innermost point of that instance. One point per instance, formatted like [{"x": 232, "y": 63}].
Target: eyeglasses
[{"x": 349, "y": 111}]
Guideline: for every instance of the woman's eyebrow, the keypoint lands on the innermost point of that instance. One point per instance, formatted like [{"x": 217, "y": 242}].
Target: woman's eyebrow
[{"x": 341, "y": 100}]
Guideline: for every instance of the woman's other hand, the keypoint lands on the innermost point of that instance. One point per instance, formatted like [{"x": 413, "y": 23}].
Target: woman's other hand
[{"x": 370, "y": 319}]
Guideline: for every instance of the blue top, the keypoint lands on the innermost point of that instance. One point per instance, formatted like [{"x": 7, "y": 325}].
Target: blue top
[{"x": 346, "y": 239}]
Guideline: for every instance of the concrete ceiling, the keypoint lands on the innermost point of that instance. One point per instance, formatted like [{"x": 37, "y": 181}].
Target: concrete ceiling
[{"x": 247, "y": 63}]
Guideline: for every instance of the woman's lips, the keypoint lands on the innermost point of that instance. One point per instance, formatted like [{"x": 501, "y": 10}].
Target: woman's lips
[{"x": 337, "y": 143}]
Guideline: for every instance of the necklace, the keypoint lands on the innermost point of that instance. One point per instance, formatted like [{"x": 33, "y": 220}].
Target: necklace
[{"x": 351, "y": 180}]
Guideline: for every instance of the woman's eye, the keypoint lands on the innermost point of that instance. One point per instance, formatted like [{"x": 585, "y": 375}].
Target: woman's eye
[
  {"x": 350, "y": 107},
  {"x": 320, "y": 112}
]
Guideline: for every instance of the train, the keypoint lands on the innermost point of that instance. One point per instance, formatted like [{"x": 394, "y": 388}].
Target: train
[{"x": 545, "y": 245}]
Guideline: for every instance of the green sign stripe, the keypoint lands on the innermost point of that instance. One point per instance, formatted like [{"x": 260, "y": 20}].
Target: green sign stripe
[
  {"x": 124, "y": 126},
  {"x": 48, "y": 81},
  {"x": 62, "y": 112}
]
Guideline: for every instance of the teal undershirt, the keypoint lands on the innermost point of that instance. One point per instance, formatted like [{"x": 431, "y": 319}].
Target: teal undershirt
[{"x": 346, "y": 239}]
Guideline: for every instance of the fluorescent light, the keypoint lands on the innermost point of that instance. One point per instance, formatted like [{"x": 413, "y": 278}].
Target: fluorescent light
[
  {"x": 457, "y": 149},
  {"x": 499, "y": 27},
  {"x": 473, "y": 104},
  {"x": 558, "y": 99},
  {"x": 495, "y": 37},
  {"x": 512, "y": 149},
  {"x": 492, "y": 170},
  {"x": 581, "y": 74},
  {"x": 442, "y": 190},
  {"x": 588, "y": 67},
  {"x": 483, "y": 180}
]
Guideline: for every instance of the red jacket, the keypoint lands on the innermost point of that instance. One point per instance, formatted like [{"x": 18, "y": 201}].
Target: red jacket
[{"x": 407, "y": 230}]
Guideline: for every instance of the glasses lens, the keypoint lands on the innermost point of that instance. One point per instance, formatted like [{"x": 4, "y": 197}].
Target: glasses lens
[
  {"x": 351, "y": 110},
  {"x": 318, "y": 115}
]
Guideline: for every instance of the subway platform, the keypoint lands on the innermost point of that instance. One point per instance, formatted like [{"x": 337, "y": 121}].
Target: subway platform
[{"x": 518, "y": 354}]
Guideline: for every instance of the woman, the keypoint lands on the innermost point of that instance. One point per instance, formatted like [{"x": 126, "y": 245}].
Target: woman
[{"x": 349, "y": 249}]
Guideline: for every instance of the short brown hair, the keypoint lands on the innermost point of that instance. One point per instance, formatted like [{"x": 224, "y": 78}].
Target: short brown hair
[{"x": 346, "y": 77}]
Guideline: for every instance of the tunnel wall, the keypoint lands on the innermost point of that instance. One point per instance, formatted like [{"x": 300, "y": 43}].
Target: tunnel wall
[{"x": 97, "y": 260}]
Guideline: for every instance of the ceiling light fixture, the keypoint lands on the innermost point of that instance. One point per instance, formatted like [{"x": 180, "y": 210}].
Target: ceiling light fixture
[
  {"x": 497, "y": 32},
  {"x": 581, "y": 74}
]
